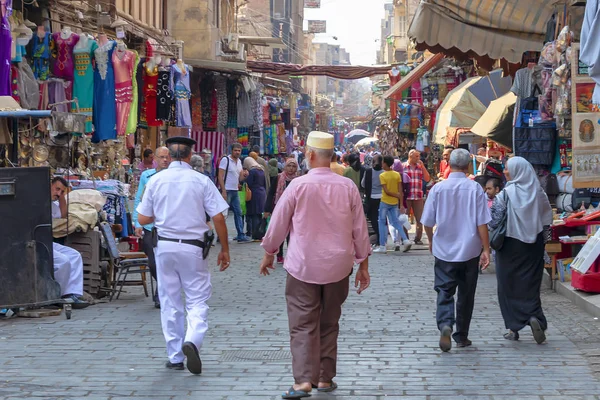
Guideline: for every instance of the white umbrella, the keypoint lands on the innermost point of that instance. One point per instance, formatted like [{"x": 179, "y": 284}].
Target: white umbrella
[
  {"x": 366, "y": 141},
  {"x": 356, "y": 135}
]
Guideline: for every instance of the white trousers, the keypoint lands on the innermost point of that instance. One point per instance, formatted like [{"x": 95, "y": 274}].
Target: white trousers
[
  {"x": 180, "y": 266},
  {"x": 68, "y": 269}
]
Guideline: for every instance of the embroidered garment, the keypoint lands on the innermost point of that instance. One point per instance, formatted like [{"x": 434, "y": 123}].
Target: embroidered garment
[
  {"x": 164, "y": 97},
  {"x": 41, "y": 56},
  {"x": 150, "y": 92},
  {"x": 180, "y": 86},
  {"x": 63, "y": 66},
  {"x": 132, "y": 121},
  {"x": 105, "y": 112},
  {"x": 83, "y": 84},
  {"x": 123, "y": 64},
  {"x": 14, "y": 87}
]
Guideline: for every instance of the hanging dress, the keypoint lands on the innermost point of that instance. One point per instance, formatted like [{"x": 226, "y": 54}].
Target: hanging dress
[
  {"x": 64, "y": 66},
  {"x": 150, "y": 93},
  {"x": 164, "y": 97},
  {"x": 132, "y": 121},
  {"x": 41, "y": 56},
  {"x": 180, "y": 86},
  {"x": 83, "y": 84},
  {"x": 104, "y": 113},
  {"x": 123, "y": 63},
  {"x": 5, "y": 49}
]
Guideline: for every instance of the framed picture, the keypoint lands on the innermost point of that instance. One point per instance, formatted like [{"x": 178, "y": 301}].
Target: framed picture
[
  {"x": 586, "y": 168},
  {"x": 583, "y": 97},
  {"x": 586, "y": 131}
]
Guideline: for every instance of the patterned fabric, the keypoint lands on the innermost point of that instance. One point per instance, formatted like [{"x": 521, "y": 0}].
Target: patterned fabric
[
  {"x": 41, "y": 56},
  {"x": 105, "y": 112},
  {"x": 14, "y": 83},
  {"x": 150, "y": 94},
  {"x": 164, "y": 97},
  {"x": 180, "y": 85},
  {"x": 244, "y": 112},
  {"x": 196, "y": 111},
  {"x": 132, "y": 120},
  {"x": 209, "y": 140},
  {"x": 415, "y": 181},
  {"x": 64, "y": 63},
  {"x": 5, "y": 50},
  {"x": 232, "y": 104},
  {"x": 222, "y": 104},
  {"x": 83, "y": 85},
  {"x": 123, "y": 64}
]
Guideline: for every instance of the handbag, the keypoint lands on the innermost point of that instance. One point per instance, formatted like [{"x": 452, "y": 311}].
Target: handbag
[
  {"x": 248, "y": 192},
  {"x": 498, "y": 234}
]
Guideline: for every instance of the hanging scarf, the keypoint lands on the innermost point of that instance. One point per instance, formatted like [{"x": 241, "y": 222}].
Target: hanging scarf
[{"x": 284, "y": 179}]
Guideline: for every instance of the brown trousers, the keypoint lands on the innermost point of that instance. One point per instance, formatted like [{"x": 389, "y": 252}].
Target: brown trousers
[
  {"x": 417, "y": 209},
  {"x": 314, "y": 312}
]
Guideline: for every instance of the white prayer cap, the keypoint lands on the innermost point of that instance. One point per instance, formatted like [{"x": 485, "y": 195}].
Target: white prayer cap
[{"x": 320, "y": 140}]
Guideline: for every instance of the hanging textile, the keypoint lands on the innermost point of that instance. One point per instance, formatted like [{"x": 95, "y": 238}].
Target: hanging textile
[
  {"x": 206, "y": 94},
  {"x": 268, "y": 140},
  {"x": 132, "y": 120},
  {"x": 83, "y": 84},
  {"x": 123, "y": 64},
  {"x": 232, "y": 104},
  {"x": 230, "y": 137},
  {"x": 64, "y": 64},
  {"x": 180, "y": 87},
  {"x": 14, "y": 86},
  {"x": 196, "y": 109},
  {"x": 41, "y": 56},
  {"x": 209, "y": 140},
  {"x": 244, "y": 112},
  {"x": 221, "y": 92},
  {"x": 150, "y": 94},
  {"x": 164, "y": 96},
  {"x": 274, "y": 140},
  {"x": 105, "y": 112},
  {"x": 281, "y": 148},
  {"x": 57, "y": 94},
  {"x": 5, "y": 45},
  {"x": 243, "y": 139}
]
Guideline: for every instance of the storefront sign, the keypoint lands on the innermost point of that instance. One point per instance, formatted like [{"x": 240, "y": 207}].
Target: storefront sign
[
  {"x": 317, "y": 26},
  {"x": 312, "y": 3}
]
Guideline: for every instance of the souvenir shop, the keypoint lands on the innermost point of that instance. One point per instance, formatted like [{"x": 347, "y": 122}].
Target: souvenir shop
[{"x": 412, "y": 110}]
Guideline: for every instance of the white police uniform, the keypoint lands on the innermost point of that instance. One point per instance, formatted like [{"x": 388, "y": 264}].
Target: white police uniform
[
  {"x": 68, "y": 264},
  {"x": 178, "y": 199}
]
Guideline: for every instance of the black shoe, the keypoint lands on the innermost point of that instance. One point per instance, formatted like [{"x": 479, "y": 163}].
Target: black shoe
[
  {"x": 76, "y": 302},
  {"x": 536, "y": 329},
  {"x": 464, "y": 343},
  {"x": 156, "y": 301},
  {"x": 445, "y": 338},
  {"x": 194, "y": 364},
  {"x": 510, "y": 335},
  {"x": 419, "y": 242},
  {"x": 177, "y": 366}
]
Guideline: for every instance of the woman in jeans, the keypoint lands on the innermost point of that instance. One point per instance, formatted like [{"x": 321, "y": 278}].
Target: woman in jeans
[
  {"x": 257, "y": 184},
  {"x": 373, "y": 191},
  {"x": 290, "y": 171},
  {"x": 520, "y": 261}
]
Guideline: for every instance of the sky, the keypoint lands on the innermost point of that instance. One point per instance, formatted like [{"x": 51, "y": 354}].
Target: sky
[{"x": 356, "y": 24}]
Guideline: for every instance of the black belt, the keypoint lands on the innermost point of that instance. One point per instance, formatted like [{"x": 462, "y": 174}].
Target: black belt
[{"x": 197, "y": 243}]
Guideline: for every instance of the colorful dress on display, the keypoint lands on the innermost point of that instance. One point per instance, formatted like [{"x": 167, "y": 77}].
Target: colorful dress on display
[
  {"x": 83, "y": 85},
  {"x": 164, "y": 97},
  {"x": 150, "y": 93},
  {"x": 180, "y": 86},
  {"x": 41, "y": 56},
  {"x": 5, "y": 45},
  {"x": 63, "y": 66},
  {"x": 132, "y": 121},
  {"x": 123, "y": 63},
  {"x": 105, "y": 112}
]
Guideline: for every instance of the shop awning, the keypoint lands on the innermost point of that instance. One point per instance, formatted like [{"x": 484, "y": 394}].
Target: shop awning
[
  {"x": 497, "y": 29},
  {"x": 414, "y": 75},
  {"x": 333, "y": 71},
  {"x": 221, "y": 66}
]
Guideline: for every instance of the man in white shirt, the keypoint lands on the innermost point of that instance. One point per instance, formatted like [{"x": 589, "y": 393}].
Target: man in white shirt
[
  {"x": 231, "y": 174},
  {"x": 68, "y": 264}
]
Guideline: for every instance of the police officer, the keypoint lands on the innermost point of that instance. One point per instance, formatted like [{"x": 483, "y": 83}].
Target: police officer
[{"x": 176, "y": 201}]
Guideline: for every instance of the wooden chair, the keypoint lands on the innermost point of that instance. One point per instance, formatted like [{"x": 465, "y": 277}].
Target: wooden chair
[{"x": 122, "y": 264}]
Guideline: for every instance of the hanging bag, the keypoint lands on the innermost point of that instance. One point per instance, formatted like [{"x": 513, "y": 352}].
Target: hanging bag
[
  {"x": 497, "y": 235},
  {"x": 248, "y": 192}
]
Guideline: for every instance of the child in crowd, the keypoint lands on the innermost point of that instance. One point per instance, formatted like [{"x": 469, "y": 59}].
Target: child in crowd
[{"x": 492, "y": 188}]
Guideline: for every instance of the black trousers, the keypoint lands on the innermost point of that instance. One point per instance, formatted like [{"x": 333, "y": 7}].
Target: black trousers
[
  {"x": 149, "y": 251},
  {"x": 373, "y": 215},
  {"x": 448, "y": 277},
  {"x": 280, "y": 254}
]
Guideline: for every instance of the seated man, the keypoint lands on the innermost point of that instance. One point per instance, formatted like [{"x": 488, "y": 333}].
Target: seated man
[{"x": 68, "y": 264}]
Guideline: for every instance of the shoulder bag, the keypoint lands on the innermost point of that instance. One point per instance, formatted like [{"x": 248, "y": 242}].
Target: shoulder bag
[
  {"x": 497, "y": 235},
  {"x": 248, "y": 192}
]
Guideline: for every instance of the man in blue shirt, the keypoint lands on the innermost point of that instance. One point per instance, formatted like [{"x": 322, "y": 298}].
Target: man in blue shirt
[
  {"x": 161, "y": 155},
  {"x": 458, "y": 208}
]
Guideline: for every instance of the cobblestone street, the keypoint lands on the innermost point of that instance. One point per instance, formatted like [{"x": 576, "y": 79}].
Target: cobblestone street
[{"x": 388, "y": 345}]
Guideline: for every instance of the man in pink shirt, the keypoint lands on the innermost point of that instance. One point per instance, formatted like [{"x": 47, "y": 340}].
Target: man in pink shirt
[{"x": 324, "y": 215}]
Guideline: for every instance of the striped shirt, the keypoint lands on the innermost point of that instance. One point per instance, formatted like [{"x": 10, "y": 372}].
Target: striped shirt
[{"x": 415, "y": 181}]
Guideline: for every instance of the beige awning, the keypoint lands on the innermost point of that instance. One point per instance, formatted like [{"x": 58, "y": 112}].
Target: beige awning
[
  {"x": 414, "y": 75},
  {"x": 497, "y": 29},
  {"x": 273, "y": 42},
  {"x": 221, "y": 66}
]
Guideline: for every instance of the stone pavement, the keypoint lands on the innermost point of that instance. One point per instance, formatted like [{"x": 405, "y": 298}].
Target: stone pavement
[{"x": 387, "y": 348}]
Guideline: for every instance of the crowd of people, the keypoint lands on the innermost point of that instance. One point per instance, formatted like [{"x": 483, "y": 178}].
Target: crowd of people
[{"x": 318, "y": 200}]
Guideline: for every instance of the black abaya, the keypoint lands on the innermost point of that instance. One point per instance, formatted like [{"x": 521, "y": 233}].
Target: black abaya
[{"x": 519, "y": 270}]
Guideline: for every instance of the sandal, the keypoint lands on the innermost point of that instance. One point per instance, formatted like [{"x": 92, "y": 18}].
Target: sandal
[
  {"x": 510, "y": 335},
  {"x": 536, "y": 329},
  {"x": 328, "y": 389},
  {"x": 295, "y": 394}
]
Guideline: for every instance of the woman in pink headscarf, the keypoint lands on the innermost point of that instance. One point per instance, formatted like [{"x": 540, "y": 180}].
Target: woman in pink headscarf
[{"x": 290, "y": 172}]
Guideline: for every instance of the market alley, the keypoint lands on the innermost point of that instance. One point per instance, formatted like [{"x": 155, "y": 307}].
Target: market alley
[{"x": 388, "y": 345}]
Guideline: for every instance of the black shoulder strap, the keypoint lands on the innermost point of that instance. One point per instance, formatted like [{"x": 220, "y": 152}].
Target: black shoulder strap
[{"x": 226, "y": 171}]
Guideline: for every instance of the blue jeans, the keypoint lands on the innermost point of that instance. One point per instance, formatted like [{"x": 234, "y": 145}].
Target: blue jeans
[
  {"x": 388, "y": 211},
  {"x": 233, "y": 199}
]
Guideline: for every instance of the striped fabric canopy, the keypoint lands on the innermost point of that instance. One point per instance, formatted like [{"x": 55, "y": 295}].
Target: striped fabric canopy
[{"x": 497, "y": 29}]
